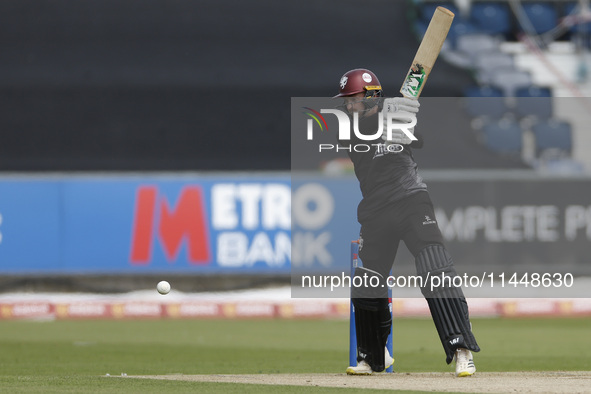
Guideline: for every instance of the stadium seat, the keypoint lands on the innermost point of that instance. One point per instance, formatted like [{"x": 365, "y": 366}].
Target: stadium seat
[
  {"x": 553, "y": 137},
  {"x": 459, "y": 28},
  {"x": 491, "y": 17},
  {"x": 534, "y": 101},
  {"x": 503, "y": 136},
  {"x": 475, "y": 43},
  {"x": 533, "y": 91},
  {"x": 486, "y": 62},
  {"x": 484, "y": 101},
  {"x": 509, "y": 79},
  {"x": 542, "y": 16},
  {"x": 482, "y": 91}
]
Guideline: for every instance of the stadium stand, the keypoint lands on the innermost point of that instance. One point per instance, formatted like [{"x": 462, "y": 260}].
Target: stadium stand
[
  {"x": 518, "y": 73},
  {"x": 152, "y": 93}
]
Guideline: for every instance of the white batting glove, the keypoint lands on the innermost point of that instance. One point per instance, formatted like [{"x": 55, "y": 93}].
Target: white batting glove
[{"x": 401, "y": 111}]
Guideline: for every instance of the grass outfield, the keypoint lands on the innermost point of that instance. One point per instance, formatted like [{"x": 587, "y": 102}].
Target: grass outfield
[{"x": 75, "y": 356}]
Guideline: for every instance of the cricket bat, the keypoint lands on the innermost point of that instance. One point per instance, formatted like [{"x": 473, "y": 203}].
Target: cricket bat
[{"x": 427, "y": 53}]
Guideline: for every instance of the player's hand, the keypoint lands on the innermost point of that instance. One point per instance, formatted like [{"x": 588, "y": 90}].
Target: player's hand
[
  {"x": 400, "y": 110},
  {"x": 401, "y": 104}
]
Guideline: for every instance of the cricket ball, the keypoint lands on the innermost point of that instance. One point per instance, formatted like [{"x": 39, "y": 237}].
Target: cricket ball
[{"x": 163, "y": 287}]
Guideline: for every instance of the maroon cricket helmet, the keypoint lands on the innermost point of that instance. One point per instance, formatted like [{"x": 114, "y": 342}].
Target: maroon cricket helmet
[{"x": 359, "y": 80}]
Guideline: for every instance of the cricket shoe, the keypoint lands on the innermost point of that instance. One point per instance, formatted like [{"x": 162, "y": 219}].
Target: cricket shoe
[
  {"x": 388, "y": 360},
  {"x": 464, "y": 363},
  {"x": 363, "y": 367}
]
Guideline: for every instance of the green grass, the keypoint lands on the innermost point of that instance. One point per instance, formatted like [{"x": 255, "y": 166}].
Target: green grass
[{"x": 75, "y": 356}]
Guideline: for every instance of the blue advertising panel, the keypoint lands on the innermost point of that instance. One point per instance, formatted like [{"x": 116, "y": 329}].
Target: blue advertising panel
[
  {"x": 324, "y": 213},
  {"x": 273, "y": 224},
  {"x": 199, "y": 225},
  {"x": 30, "y": 226},
  {"x": 141, "y": 224}
]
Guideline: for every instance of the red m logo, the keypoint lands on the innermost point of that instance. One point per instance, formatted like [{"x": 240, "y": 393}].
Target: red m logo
[{"x": 187, "y": 221}]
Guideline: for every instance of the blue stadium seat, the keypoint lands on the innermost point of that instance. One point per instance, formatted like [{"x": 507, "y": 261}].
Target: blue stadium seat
[
  {"x": 484, "y": 101},
  {"x": 459, "y": 28},
  {"x": 491, "y": 17},
  {"x": 534, "y": 101},
  {"x": 489, "y": 107},
  {"x": 543, "y": 16},
  {"x": 533, "y": 91},
  {"x": 482, "y": 91},
  {"x": 503, "y": 136},
  {"x": 553, "y": 136}
]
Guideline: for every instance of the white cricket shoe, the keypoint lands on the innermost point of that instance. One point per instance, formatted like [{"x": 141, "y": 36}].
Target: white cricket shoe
[
  {"x": 388, "y": 360},
  {"x": 363, "y": 368},
  {"x": 464, "y": 363}
]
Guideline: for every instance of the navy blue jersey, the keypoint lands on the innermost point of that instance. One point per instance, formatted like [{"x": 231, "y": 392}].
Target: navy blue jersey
[{"x": 385, "y": 175}]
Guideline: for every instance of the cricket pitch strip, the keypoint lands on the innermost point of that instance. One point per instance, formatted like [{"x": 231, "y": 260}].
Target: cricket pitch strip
[{"x": 481, "y": 382}]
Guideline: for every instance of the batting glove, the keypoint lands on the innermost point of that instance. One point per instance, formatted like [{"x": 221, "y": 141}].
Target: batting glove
[{"x": 402, "y": 111}]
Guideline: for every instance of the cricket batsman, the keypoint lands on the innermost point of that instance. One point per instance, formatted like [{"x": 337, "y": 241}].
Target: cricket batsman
[{"x": 395, "y": 207}]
